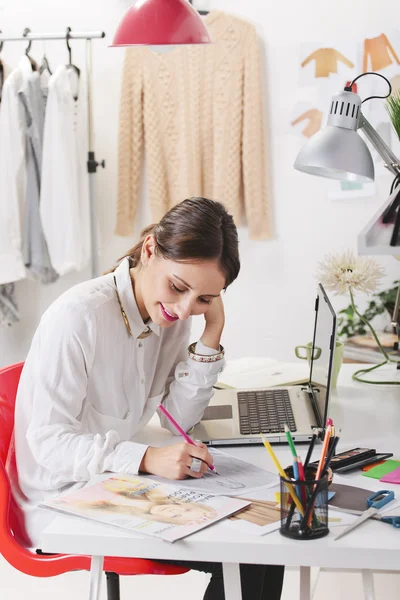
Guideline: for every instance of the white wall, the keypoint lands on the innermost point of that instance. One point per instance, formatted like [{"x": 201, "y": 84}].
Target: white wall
[{"x": 270, "y": 308}]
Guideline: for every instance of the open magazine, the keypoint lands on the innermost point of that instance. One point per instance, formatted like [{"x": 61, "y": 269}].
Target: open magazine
[{"x": 146, "y": 506}]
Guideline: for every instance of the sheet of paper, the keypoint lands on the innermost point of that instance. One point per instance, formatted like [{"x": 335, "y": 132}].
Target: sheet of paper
[
  {"x": 235, "y": 477},
  {"x": 265, "y": 375},
  {"x": 263, "y": 516}
]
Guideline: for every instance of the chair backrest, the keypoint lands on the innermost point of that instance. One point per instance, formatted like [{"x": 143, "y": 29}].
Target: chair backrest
[
  {"x": 9, "y": 379},
  {"x": 11, "y": 522}
]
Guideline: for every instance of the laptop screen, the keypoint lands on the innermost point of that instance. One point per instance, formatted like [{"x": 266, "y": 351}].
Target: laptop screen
[{"x": 322, "y": 357}]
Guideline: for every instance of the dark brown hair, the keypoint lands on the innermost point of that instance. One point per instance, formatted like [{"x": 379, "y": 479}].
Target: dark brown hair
[{"x": 197, "y": 228}]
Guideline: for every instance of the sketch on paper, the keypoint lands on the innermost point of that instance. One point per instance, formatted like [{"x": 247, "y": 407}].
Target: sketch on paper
[{"x": 235, "y": 477}]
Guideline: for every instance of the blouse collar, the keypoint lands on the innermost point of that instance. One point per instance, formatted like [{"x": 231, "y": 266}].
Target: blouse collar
[{"x": 128, "y": 302}]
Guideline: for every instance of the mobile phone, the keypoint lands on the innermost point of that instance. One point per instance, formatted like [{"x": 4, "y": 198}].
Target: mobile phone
[
  {"x": 363, "y": 463},
  {"x": 349, "y": 457}
]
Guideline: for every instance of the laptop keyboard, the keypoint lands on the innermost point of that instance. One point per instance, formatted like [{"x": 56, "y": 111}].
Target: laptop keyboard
[{"x": 265, "y": 411}]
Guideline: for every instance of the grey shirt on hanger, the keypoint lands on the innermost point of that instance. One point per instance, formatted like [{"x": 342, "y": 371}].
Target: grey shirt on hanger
[{"x": 34, "y": 246}]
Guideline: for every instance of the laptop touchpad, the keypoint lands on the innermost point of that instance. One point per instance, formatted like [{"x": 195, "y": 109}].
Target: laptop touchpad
[{"x": 223, "y": 411}]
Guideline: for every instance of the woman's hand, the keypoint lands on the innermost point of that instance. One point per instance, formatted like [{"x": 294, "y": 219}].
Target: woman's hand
[
  {"x": 215, "y": 321},
  {"x": 173, "y": 462}
]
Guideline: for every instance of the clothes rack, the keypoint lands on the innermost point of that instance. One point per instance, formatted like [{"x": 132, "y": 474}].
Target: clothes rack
[{"x": 92, "y": 164}]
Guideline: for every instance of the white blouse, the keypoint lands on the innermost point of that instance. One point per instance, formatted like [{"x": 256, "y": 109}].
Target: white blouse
[
  {"x": 88, "y": 387},
  {"x": 64, "y": 190}
]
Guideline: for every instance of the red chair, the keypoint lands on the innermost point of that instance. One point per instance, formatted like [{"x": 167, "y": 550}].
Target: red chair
[{"x": 50, "y": 565}]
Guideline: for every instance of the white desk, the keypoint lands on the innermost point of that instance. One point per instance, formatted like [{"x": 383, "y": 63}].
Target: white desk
[{"x": 368, "y": 416}]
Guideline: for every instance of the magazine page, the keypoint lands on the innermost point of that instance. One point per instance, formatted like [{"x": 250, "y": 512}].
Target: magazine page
[
  {"x": 145, "y": 506},
  {"x": 233, "y": 477}
]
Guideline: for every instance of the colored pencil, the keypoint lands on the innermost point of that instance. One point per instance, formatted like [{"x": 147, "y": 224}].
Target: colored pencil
[
  {"x": 290, "y": 442},
  {"x": 321, "y": 465},
  {"x": 302, "y": 477},
  {"x": 310, "y": 450},
  {"x": 324, "y": 452},
  {"x": 283, "y": 475},
  {"x": 181, "y": 431},
  {"x": 309, "y": 510},
  {"x": 331, "y": 454},
  {"x": 296, "y": 475}
]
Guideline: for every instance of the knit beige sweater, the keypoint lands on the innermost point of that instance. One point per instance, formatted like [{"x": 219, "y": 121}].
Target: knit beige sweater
[{"x": 198, "y": 112}]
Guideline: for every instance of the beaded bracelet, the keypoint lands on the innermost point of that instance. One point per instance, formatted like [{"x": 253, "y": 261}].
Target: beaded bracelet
[{"x": 205, "y": 357}]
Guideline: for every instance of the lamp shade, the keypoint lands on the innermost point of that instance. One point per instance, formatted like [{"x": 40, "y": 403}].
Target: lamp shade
[
  {"x": 161, "y": 23},
  {"x": 338, "y": 151}
]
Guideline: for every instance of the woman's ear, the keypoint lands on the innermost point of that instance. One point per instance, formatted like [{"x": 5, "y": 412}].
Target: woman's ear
[{"x": 148, "y": 250}]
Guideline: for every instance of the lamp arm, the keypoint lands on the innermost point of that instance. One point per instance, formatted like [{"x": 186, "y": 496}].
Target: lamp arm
[{"x": 391, "y": 160}]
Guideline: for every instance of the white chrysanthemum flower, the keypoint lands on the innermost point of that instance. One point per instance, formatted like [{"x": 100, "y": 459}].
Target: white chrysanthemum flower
[{"x": 341, "y": 272}]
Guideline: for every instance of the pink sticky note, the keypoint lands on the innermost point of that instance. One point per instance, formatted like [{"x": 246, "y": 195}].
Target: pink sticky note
[{"x": 393, "y": 477}]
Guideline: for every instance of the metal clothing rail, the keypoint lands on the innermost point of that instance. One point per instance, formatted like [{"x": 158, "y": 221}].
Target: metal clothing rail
[
  {"x": 86, "y": 35},
  {"x": 92, "y": 164}
]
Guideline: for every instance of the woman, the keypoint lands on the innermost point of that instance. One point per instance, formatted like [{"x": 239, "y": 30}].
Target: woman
[{"x": 109, "y": 350}]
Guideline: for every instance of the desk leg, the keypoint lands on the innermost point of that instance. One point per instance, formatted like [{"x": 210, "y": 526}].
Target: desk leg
[
  {"x": 305, "y": 583},
  {"x": 96, "y": 571},
  {"x": 368, "y": 583},
  {"x": 232, "y": 586}
]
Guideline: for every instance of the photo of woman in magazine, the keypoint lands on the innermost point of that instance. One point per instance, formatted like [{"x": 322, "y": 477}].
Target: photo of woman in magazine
[{"x": 126, "y": 497}]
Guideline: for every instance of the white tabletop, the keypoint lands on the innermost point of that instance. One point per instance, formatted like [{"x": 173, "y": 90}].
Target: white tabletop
[{"x": 368, "y": 416}]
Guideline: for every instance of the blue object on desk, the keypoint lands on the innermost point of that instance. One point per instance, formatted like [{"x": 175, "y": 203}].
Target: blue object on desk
[
  {"x": 379, "y": 499},
  {"x": 374, "y": 502},
  {"x": 395, "y": 521}
]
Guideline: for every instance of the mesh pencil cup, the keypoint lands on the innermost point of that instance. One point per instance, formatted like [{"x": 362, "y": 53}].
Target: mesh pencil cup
[{"x": 312, "y": 521}]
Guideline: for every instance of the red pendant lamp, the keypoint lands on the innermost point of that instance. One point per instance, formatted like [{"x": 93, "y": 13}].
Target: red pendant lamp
[{"x": 161, "y": 23}]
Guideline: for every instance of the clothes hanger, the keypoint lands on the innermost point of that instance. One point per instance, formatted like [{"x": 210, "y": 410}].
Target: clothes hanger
[
  {"x": 70, "y": 65},
  {"x": 31, "y": 60},
  {"x": 201, "y": 12},
  {"x": 45, "y": 66}
]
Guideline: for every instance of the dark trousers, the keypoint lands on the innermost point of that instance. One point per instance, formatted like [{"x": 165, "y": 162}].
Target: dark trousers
[{"x": 258, "y": 582}]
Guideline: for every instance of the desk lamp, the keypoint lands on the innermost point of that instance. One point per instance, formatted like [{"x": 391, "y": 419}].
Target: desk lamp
[{"x": 338, "y": 152}]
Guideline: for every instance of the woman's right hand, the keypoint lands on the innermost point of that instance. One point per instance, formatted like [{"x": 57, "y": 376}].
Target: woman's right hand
[{"x": 173, "y": 462}]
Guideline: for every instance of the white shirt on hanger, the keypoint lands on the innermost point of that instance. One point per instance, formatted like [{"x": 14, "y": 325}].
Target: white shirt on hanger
[
  {"x": 12, "y": 175},
  {"x": 88, "y": 387},
  {"x": 64, "y": 198}
]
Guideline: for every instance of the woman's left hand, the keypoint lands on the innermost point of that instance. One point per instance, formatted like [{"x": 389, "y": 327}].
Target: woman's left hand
[{"x": 215, "y": 321}]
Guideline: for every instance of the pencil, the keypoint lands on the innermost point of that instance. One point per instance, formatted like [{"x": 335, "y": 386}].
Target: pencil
[
  {"x": 309, "y": 514},
  {"x": 310, "y": 450},
  {"x": 302, "y": 478},
  {"x": 331, "y": 454},
  {"x": 283, "y": 475},
  {"x": 181, "y": 431},
  {"x": 290, "y": 442},
  {"x": 324, "y": 452},
  {"x": 320, "y": 468},
  {"x": 296, "y": 474}
]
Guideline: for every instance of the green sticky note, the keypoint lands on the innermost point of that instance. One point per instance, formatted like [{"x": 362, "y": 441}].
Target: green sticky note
[{"x": 381, "y": 470}]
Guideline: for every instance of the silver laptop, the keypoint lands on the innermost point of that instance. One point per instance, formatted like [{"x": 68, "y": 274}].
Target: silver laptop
[{"x": 239, "y": 416}]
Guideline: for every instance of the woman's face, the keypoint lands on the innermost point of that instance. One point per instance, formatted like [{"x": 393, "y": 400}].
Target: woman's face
[
  {"x": 167, "y": 291},
  {"x": 182, "y": 513}
]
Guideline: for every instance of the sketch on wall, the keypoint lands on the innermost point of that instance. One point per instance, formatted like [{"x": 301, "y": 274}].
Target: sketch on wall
[{"x": 324, "y": 69}]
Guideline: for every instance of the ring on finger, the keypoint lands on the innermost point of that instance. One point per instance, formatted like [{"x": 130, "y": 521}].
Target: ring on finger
[{"x": 196, "y": 465}]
